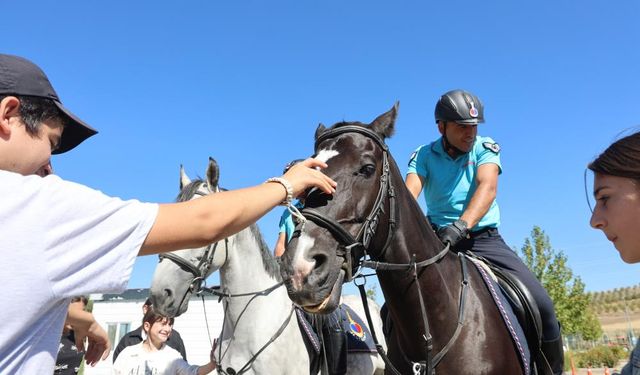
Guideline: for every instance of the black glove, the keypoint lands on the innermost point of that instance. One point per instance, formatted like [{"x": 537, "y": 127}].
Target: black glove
[{"x": 454, "y": 233}]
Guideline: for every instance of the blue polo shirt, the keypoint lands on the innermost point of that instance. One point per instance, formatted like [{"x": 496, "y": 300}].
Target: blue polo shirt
[
  {"x": 450, "y": 183},
  {"x": 287, "y": 226}
]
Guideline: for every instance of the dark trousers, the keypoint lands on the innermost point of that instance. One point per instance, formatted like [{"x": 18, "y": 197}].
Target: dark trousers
[
  {"x": 490, "y": 245},
  {"x": 335, "y": 342}
]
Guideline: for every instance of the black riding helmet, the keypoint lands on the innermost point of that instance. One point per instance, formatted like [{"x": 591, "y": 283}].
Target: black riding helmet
[{"x": 461, "y": 107}]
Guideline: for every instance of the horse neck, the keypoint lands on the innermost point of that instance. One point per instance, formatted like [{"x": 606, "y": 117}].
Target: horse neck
[
  {"x": 250, "y": 323},
  {"x": 414, "y": 235},
  {"x": 245, "y": 272}
]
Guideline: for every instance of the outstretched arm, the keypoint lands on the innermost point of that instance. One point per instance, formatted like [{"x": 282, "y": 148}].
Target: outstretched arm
[{"x": 199, "y": 222}]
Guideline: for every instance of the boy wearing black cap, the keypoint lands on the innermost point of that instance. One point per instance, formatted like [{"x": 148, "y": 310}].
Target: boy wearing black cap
[{"x": 66, "y": 239}]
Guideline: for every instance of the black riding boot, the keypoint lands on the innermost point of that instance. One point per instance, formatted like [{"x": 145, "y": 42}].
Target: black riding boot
[
  {"x": 554, "y": 355},
  {"x": 335, "y": 344}
]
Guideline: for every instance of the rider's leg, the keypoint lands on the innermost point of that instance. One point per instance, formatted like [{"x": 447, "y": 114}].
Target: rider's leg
[
  {"x": 335, "y": 343},
  {"x": 491, "y": 246}
]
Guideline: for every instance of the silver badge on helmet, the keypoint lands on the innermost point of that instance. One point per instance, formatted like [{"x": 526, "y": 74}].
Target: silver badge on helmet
[{"x": 473, "y": 112}]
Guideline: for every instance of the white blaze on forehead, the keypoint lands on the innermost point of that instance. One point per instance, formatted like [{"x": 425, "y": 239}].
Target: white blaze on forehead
[
  {"x": 325, "y": 155},
  {"x": 301, "y": 266}
]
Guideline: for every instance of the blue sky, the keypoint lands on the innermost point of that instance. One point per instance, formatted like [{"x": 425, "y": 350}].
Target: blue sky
[{"x": 247, "y": 82}]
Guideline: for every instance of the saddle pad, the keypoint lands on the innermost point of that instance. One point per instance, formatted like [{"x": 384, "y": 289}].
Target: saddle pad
[
  {"x": 359, "y": 339},
  {"x": 509, "y": 318},
  {"x": 309, "y": 334}
]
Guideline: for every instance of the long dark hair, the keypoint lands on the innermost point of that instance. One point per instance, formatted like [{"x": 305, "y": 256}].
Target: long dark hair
[{"x": 621, "y": 159}]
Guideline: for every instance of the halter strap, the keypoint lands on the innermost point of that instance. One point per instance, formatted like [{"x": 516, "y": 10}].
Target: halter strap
[
  {"x": 349, "y": 244},
  {"x": 332, "y": 133}
]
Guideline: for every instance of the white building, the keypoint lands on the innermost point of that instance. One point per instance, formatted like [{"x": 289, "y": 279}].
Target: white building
[{"x": 121, "y": 313}]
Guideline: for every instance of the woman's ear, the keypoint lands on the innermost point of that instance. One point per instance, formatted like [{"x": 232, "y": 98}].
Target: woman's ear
[
  {"x": 9, "y": 108},
  {"x": 146, "y": 326}
]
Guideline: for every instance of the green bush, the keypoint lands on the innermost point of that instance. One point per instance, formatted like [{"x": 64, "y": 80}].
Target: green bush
[
  {"x": 620, "y": 352},
  {"x": 599, "y": 356}
]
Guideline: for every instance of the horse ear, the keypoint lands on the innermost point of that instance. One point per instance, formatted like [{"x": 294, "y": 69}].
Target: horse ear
[
  {"x": 184, "y": 179},
  {"x": 213, "y": 173},
  {"x": 384, "y": 125},
  {"x": 320, "y": 129}
]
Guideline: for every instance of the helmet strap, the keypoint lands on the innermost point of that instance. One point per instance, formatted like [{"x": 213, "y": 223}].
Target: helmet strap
[{"x": 449, "y": 148}]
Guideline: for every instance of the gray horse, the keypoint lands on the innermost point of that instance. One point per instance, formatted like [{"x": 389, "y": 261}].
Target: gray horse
[{"x": 260, "y": 333}]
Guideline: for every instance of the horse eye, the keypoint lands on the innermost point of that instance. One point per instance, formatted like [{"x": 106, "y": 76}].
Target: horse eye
[{"x": 367, "y": 170}]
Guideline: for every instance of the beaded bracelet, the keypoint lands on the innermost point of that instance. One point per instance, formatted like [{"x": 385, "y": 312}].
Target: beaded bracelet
[{"x": 287, "y": 186}]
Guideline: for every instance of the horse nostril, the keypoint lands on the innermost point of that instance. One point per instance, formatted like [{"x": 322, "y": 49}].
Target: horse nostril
[
  {"x": 320, "y": 260},
  {"x": 168, "y": 293}
]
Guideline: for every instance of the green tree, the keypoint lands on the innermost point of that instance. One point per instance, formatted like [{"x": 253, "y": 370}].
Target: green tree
[
  {"x": 372, "y": 292},
  {"x": 572, "y": 304}
]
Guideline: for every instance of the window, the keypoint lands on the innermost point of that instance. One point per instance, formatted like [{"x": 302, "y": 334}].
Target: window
[
  {"x": 111, "y": 331},
  {"x": 124, "y": 329}
]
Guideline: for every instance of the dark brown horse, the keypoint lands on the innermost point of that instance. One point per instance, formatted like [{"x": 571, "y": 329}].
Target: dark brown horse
[{"x": 372, "y": 213}]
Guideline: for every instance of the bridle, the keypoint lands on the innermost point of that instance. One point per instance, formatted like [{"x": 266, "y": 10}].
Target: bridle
[
  {"x": 354, "y": 251},
  {"x": 201, "y": 270},
  {"x": 350, "y": 248},
  {"x": 198, "y": 286}
]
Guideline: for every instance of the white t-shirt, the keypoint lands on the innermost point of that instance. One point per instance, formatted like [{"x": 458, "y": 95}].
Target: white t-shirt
[
  {"x": 134, "y": 360},
  {"x": 58, "y": 240}
]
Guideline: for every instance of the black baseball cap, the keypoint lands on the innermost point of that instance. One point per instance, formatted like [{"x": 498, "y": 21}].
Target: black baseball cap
[{"x": 19, "y": 76}]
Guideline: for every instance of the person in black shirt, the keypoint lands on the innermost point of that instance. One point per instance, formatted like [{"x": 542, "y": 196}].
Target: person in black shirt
[{"x": 69, "y": 358}]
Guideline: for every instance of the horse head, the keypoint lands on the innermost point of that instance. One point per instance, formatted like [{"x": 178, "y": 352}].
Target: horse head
[
  {"x": 339, "y": 230},
  {"x": 181, "y": 273}
]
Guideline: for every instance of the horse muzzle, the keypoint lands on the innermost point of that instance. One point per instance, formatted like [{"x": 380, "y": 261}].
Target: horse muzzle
[{"x": 317, "y": 301}]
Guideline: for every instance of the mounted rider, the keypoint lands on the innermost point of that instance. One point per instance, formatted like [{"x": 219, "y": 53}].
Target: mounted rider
[{"x": 458, "y": 174}]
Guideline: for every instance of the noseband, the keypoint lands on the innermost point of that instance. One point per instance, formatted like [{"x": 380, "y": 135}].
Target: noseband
[
  {"x": 351, "y": 249},
  {"x": 201, "y": 270}
]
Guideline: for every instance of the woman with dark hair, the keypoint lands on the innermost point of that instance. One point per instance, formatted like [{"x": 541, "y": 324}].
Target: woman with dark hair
[
  {"x": 153, "y": 356},
  {"x": 616, "y": 189}
]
